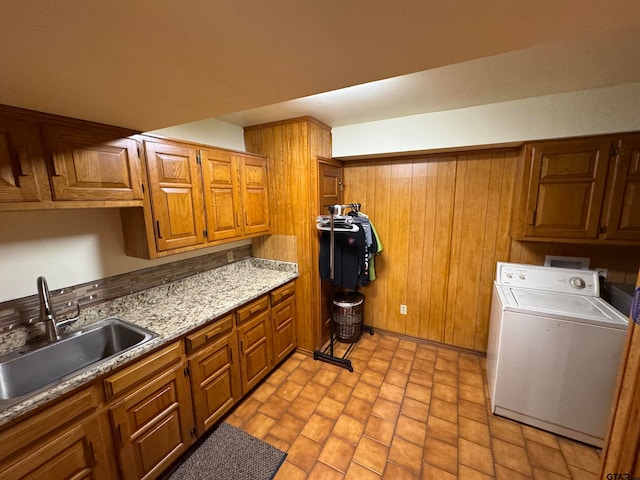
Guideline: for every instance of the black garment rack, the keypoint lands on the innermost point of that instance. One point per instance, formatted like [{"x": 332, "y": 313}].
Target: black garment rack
[{"x": 328, "y": 353}]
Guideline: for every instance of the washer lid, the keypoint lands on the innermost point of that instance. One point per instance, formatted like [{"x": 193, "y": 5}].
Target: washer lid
[{"x": 591, "y": 310}]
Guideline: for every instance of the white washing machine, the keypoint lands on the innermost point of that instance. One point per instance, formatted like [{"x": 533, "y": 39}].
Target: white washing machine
[{"x": 554, "y": 350}]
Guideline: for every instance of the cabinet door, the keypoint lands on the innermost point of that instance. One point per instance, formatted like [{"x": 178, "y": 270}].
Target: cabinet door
[
  {"x": 330, "y": 188},
  {"x": 623, "y": 215},
  {"x": 284, "y": 336},
  {"x": 254, "y": 188},
  {"x": 65, "y": 439},
  {"x": 176, "y": 195},
  {"x": 23, "y": 170},
  {"x": 566, "y": 188},
  {"x": 67, "y": 455},
  {"x": 221, "y": 194},
  {"x": 91, "y": 164},
  {"x": 153, "y": 425},
  {"x": 256, "y": 351},
  {"x": 215, "y": 381}
]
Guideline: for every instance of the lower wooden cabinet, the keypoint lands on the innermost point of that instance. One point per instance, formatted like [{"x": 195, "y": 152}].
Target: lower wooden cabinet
[
  {"x": 151, "y": 413},
  {"x": 153, "y": 425},
  {"x": 68, "y": 440},
  {"x": 283, "y": 311},
  {"x": 215, "y": 374},
  {"x": 256, "y": 350},
  {"x": 69, "y": 454},
  {"x": 152, "y": 410}
]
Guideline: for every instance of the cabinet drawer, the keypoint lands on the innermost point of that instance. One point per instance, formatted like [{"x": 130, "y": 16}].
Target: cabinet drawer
[
  {"x": 209, "y": 333},
  {"x": 130, "y": 376},
  {"x": 246, "y": 312},
  {"x": 283, "y": 292}
]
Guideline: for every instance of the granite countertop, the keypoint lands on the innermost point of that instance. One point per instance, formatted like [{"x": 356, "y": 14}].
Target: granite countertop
[{"x": 170, "y": 311}]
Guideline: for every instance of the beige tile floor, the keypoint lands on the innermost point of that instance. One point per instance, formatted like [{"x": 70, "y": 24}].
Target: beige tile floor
[{"x": 408, "y": 411}]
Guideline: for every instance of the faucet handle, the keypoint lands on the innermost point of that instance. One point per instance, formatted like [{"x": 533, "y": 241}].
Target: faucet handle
[{"x": 65, "y": 322}]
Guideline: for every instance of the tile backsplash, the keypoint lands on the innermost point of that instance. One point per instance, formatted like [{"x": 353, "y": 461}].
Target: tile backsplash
[{"x": 24, "y": 311}]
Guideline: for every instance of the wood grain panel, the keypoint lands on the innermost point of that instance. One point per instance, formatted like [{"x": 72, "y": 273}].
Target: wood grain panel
[
  {"x": 280, "y": 247},
  {"x": 398, "y": 240},
  {"x": 292, "y": 148},
  {"x": 383, "y": 213},
  {"x": 444, "y": 223},
  {"x": 440, "y": 201},
  {"x": 416, "y": 226},
  {"x": 496, "y": 242}
]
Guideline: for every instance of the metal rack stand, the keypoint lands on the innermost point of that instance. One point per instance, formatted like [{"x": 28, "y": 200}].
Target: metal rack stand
[{"x": 328, "y": 353}]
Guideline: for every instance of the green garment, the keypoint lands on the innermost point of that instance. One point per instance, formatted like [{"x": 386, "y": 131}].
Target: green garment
[{"x": 372, "y": 266}]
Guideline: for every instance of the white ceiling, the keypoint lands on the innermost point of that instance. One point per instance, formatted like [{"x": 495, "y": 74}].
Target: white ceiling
[{"x": 147, "y": 64}]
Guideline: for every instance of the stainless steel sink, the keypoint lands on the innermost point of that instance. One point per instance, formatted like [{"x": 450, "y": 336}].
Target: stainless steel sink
[{"x": 25, "y": 372}]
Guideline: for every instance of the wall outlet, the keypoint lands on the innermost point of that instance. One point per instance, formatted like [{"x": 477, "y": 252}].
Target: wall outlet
[
  {"x": 602, "y": 272},
  {"x": 403, "y": 309},
  {"x": 229, "y": 256}
]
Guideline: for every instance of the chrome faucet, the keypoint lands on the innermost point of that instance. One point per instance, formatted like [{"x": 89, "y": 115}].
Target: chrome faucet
[{"x": 53, "y": 327}]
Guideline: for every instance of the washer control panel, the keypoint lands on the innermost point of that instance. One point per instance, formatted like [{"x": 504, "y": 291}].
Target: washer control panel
[{"x": 560, "y": 280}]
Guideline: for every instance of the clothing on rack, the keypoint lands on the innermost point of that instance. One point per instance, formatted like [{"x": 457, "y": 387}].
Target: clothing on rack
[
  {"x": 354, "y": 245},
  {"x": 347, "y": 258},
  {"x": 374, "y": 247}
]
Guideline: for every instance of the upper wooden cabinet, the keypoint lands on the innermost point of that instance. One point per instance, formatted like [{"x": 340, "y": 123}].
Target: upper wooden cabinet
[
  {"x": 583, "y": 189},
  {"x": 254, "y": 190},
  {"x": 176, "y": 194},
  {"x": 92, "y": 164},
  {"x": 48, "y": 161},
  {"x": 622, "y": 214},
  {"x": 221, "y": 194},
  {"x": 200, "y": 196},
  {"x": 23, "y": 171}
]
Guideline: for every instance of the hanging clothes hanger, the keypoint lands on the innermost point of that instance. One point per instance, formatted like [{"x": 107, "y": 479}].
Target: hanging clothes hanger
[{"x": 338, "y": 220}]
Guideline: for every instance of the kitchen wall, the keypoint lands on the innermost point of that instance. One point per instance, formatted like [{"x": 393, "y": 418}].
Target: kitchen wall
[
  {"x": 586, "y": 112},
  {"x": 208, "y": 131},
  {"x": 444, "y": 223},
  {"x": 70, "y": 247}
]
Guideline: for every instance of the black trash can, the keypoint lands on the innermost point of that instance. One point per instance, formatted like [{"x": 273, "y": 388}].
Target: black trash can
[{"x": 347, "y": 316}]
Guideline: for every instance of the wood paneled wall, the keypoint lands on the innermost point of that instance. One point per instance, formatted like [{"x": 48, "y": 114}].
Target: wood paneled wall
[
  {"x": 293, "y": 148},
  {"x": 444, "y": 222}
]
